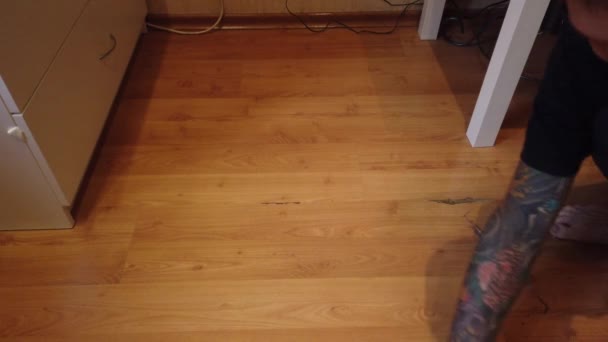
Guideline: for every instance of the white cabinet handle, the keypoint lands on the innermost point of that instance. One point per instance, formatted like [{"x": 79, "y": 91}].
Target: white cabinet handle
[{"x": 16, "y": 132}]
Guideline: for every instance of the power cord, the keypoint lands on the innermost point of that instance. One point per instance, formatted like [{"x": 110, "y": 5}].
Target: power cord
[
  {"x": 334, "y": 24},
  {"x": 460, "y": 19},
  {"x": 196, "y": 31},
  {"x": 394, "y": 4},
  {"x": 337, "y": 23}
]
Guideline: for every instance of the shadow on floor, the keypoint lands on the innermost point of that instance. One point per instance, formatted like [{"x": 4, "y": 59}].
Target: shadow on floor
[{"x": 592, "y": 194}]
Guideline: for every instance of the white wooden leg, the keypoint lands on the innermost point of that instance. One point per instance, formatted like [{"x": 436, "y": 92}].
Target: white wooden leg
[
  {"x": 432, "y": 11},
  {"x": 513, "y": 47}
]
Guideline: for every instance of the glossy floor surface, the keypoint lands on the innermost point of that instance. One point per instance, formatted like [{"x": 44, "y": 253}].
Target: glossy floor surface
[{"x": 290, "y": 186}]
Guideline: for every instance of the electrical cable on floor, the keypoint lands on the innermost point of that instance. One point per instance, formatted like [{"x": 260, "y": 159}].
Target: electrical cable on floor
[
  {"x": 394, "y": 4},
  {"x": 338, "y": 24},
  {"x": 460, "y": 18},
  {"x": 195, "y": 31},
  {"x": 478, "y": 32}
]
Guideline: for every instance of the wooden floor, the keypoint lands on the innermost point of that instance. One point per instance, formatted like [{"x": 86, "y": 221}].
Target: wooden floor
[{"x": 289, "y": 186}]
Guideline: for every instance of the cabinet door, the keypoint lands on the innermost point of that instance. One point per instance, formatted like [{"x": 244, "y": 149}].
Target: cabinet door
[
  {"x": 26, "y": 199},
  {"x": 66, "y": 114}
]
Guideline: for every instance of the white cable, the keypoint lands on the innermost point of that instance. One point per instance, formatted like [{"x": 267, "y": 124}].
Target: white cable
[{"x": 207, "y": 30}]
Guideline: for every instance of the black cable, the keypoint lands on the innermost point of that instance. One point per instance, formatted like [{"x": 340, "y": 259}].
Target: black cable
[
  {"x": 303, "y": 22},
  {"x": 340, "y": 24},
  {"x": 460, "y": 18},
  {"x": 394, "y": 4},
  {"x": 392, "y": 30},
  {"x": 488, "y": 7},
  {"x": 477, "y": 37}
]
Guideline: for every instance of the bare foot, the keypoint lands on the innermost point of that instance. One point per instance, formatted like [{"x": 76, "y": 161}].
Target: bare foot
[{"x": 582, "y": 223}]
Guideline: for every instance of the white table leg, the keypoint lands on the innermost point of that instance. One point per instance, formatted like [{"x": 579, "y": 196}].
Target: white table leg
[
  {"x": 432, "y": 11},
  {"x": 522, "y": 22}
]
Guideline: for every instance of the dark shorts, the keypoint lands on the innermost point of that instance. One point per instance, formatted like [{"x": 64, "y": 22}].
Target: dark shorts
[{"x": 570, "y": 119}]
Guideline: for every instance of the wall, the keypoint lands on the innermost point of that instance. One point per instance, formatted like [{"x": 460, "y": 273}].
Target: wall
[{"x": 211, "y": 7}]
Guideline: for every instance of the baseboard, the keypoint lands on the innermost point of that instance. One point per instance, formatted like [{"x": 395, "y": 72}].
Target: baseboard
[{"x": 286, "y": 21}]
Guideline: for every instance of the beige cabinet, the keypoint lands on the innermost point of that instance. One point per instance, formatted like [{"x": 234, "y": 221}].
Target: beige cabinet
[{"x": 55, "y": 100}]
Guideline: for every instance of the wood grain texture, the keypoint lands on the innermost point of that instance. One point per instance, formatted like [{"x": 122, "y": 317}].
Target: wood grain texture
[{"x": 286, "y": 186}]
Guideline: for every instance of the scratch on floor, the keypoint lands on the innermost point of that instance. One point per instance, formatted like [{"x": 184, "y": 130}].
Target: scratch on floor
[
  {"x": 280, "y": 203},
  {"x": 457, "y": 201}
]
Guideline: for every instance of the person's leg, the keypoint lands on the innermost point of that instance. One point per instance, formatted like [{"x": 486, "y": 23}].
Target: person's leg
[
  {"x": 508, "y": 245},
  {"x": 557, "y": 141}
]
